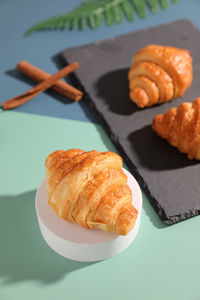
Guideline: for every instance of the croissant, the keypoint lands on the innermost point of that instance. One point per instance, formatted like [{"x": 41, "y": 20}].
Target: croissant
[
  {"x": 181, "y": 127},
  {"x": 90, "y": 188},
  {"x": 158, "y": 74}
]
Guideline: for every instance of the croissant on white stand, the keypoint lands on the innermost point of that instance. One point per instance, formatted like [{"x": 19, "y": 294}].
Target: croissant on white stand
[
  {"x": 159, "y": 74},
  {"x": 90, "y": 188}
]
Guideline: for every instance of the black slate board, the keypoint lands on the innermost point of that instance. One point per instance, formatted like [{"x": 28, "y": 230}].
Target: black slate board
[{"x": 169, "y": 179}]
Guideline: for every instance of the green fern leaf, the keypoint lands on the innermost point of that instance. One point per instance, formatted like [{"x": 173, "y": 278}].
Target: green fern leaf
[
  {"x": 67, "y": 22},
  {"x": 118, "y": 15},
  {"x": 83, "y": 23},
  {"x": 99, "y": 20},
  {"x": 92, "y": 22},
  {"x": 75, "y": 23},
  {"x": 87, "y": 7},
  {"x": 92, "y": 13},
  {"x": 140, "y": 8},
  {"x": 164, "y": 4},
  {"x": 128, "y": 11},
  {"x": 109, "y": 17},
  {"x": 61, "y": 24},
  {"x": 153, "y": 5}
]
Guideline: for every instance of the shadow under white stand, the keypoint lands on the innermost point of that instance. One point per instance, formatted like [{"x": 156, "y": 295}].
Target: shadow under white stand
[{"x": 73, "y": 241}]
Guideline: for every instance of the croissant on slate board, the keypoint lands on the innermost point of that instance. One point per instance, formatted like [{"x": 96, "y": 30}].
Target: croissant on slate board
[
  {"x": 159, "y": 74},
  {"x": 90, "y": 188},
  {"x": 181, "y": 127}
]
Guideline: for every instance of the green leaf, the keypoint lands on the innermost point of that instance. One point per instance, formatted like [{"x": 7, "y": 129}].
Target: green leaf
[
  {"x": 109, "y": 17},
  {"x": 140, "y": 8},
  {"x": 153, "y": 5},
  {"x": 75, "y": 23},
  {"x": 128, "y": 11},
  {"x": 117, "y": 11},
  {"x": 92, "y": 22},
  {"x": 83, "y": 23},
  {"x": 61, "y": 24},
  {"x": 87, "y": 8},
  {"x": 67, "y": 23},
  {"x": 164, "y": 4},
  {"x": 93, "y": 12},
  {"x": 99, "y": 20}
]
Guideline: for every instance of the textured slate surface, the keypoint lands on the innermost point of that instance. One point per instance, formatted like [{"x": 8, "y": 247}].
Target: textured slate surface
[{"x": 169, "y": 179}]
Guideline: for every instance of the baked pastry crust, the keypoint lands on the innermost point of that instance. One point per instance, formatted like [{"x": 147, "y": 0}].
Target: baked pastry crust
[
  {"x": 168, "y": 73},
  {"x": 181, "y": 127},
  {"x": 90, "y": 188}
]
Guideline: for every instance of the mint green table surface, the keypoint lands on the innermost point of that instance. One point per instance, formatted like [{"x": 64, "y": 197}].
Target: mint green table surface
[{"x": 162, "y": 262}]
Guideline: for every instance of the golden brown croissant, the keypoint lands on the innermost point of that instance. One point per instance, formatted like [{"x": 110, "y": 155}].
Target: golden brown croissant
[
  {"x": 90, "y": 188},
  {"x": 158, "y": 74},
  {"x": 181, "y": 127}
]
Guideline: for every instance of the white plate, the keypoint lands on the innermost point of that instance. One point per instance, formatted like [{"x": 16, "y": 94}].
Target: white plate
[{"x": 73, "y": 241}]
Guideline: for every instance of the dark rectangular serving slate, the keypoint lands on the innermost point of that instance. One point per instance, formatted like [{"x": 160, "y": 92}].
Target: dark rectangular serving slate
[{"x": 169, "y": 179}]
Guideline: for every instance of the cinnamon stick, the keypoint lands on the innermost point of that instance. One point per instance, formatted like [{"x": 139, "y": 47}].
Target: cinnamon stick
[
  {"x": 23, "y": 98},
  {"x": 39, "y": 75}
]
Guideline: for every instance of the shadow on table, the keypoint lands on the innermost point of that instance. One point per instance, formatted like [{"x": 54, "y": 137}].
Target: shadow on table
[
  {"x": 149, "y": 210},
  {"x": 155, "y": 153},
  {"x": 151, "y": 214},
  {"x": 113, "y": 89},
  {"x": 24, "y": 255}
]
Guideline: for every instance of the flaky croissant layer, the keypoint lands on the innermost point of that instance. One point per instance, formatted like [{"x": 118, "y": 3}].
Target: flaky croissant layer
[
  {"x": 90, "y": 188},
  {"x": 181, "y": 127},
  {"x": 159, "y": 74}
]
